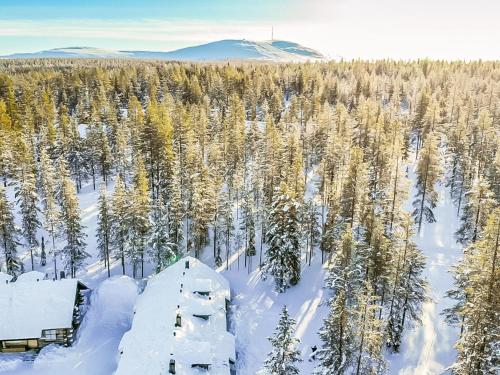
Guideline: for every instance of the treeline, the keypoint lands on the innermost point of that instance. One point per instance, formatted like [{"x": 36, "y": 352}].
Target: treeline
[{"x": 275, "y": 159}]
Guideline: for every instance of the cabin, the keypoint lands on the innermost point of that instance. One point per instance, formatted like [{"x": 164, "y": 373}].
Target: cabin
[
  {"x": 36, "y": 312},
  {"x": 180, "y": 324}
]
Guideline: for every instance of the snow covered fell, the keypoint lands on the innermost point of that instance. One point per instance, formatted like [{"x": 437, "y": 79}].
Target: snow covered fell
[{"x": 221, "y": 50}]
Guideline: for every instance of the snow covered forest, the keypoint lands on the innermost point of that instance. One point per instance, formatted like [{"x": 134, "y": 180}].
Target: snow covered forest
[{"x": 353, "y": 206}]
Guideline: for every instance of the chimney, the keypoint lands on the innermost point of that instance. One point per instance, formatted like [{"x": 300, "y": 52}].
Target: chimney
[
  {"x": 186, "y": 265},
  {"x": 178, "y": 321},
  {"x": 171, "y": 367}
]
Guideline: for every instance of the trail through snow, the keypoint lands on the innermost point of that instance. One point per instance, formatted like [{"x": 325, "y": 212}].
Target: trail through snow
[{"x": 428, "y": 348}]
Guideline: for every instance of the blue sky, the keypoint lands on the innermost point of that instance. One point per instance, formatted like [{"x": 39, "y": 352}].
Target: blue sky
[
  {"x": 133, "y": 9},
  {"x": 350, "y": 28}
]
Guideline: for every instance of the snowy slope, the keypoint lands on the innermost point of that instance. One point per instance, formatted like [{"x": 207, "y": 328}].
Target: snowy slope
[
  {"x": 230, "y": 49},
  {"x": 296, "y": 48},
  {"x": 71, "y": 52},
  {"x": 426, "y": 350},
  {"x": 241, "y": 50}
]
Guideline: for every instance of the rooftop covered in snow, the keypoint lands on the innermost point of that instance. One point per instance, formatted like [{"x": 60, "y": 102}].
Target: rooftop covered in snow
[
  {"x": 28, "y": 307},
  {"x": 180, "y": 320},
  {"x": 31, "y": 276}
]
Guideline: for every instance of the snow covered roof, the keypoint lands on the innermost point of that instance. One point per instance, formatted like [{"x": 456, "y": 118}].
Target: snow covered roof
[
  {"x": 201, "y": 339},
  {"x": 31, "y": 277},
  {"x": 27, "y": 308},
  {"x": 5, "y": 278}
]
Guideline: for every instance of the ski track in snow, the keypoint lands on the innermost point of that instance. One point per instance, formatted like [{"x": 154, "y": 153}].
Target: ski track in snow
[{"x": 428, "y": 348}]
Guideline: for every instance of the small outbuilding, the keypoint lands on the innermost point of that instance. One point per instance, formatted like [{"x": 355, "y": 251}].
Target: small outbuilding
[{"x": 36, "y": 312}]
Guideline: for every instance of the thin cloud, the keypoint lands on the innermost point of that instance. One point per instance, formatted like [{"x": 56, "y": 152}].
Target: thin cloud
[{"x": 134, "y": 30}]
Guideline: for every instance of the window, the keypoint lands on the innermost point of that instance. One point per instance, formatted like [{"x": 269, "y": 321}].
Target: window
[
  {"x": 49, "y": 334},
  {"x": 14, "y": 343},
  {"x": 204, "y": 294},
  {"x": 228, "y": 317},
  {"x": 201, "y": 316},
  {"x": 202, "y": 366}
]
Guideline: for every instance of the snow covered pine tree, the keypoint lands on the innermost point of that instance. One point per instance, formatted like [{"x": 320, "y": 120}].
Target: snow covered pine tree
[
  {"x": 284, "y": 355},
  {"x": 283, "y": 253}
]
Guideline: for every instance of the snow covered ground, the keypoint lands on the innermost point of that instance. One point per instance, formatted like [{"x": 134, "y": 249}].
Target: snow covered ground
[
  {"x": 257, "y": 310},
  {"x": 426, "y": 350}
]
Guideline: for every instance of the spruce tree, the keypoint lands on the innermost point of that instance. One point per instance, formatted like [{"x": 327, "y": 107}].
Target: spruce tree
[
  {"x": 175, "y": 212},
  {"x": 478, "y": 274},
  {"x": 367, "y": 329},
  {"x": 428, "y": 173},
  {"x": 344, "y": 272},
  {"x": 76, "y": 157},
  {"x": 162, "y": 248},
  {"x": 27, "y": 199},
  {"x": 202, "y": 210},
  {"x": 104, "y": 227},
  {"x": 283, "y": 233},
  {"x": 408, "y": 287},
  {"x": 92, "y": 150},
  {"x": 311, "y": 228},
  {"x": 74, "y": 252},
  {"x": 480, "y": 202},
  {"x": 226, "y": 223},
  {"x": 332, "y": 230},
  {"x": 6, "y": 136},
  {"x": 120, "y": 153},
  {"x": 43, "y": 253},
  {"x": 354, "y": 188},
  {"x": 337, "y": 352},
  {"x": 139, "y": 217},
  {"x": 51, "y": 208},
  {"x": 284, "y": 355},
  {"x": 120, "y": 221},
  {"x": 105, "y": 160},
  {"x": 398, "y": 194},
  {"x": 8, "y": 236},
  {"x": 248, "y": 226}
]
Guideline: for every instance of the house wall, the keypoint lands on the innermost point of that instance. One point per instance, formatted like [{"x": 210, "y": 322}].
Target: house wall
[
  {"x": 14, "y": 346},
  {"x": 62, "y": 336}
]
